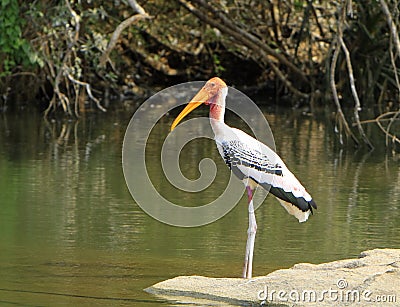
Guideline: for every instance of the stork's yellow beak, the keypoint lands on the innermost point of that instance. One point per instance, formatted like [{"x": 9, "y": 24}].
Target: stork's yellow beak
[{"x": 201, "y": 97}]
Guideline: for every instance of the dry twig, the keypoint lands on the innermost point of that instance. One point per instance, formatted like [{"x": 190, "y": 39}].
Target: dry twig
[{"x": 141, "y": 14}]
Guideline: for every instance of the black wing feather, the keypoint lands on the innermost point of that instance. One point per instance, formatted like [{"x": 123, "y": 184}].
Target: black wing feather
[{"x": 235, "y": 153}]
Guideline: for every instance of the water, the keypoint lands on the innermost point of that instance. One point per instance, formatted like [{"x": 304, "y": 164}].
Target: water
[{"x": 70, "y": 233}]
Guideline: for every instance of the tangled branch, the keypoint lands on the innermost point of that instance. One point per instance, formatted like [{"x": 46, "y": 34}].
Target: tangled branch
[
  {"x": 63, "y": 71},
  {"x": 220, "y": 21}
]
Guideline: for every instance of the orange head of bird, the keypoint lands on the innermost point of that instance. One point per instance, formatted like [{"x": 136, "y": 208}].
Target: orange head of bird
[{"x": 208, "y": 95}]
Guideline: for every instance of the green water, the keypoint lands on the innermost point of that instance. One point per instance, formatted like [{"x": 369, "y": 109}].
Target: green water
[{"x": 70, "y": 233}]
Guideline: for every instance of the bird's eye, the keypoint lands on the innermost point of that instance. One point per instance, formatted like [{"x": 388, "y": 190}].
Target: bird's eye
[{"x": 212, "y": 84}]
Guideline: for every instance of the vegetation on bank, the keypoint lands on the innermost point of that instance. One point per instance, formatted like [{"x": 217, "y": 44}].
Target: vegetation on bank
[{"x": 70, "y": 55}]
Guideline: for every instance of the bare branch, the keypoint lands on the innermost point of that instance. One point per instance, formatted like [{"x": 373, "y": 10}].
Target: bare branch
[
  {"x": 336, "y": 97},
  {"x": 393, "y": 62},
  {"x": 88, "y": 90},
  {"x": 382, "y": 118},
  {"x": 57, "y": 93},
  {"x": 392, "y": 25},
  {"x": 357, "y": 106},
  {"x": 136, "y": 7},
  {"x": 117, "y": 32}
]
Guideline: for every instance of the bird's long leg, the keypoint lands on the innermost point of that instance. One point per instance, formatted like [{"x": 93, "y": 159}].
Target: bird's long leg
[{"x": 251, "y": 235}]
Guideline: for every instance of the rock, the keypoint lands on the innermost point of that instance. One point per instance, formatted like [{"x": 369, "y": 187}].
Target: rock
[{"x": 371, "y": 280}]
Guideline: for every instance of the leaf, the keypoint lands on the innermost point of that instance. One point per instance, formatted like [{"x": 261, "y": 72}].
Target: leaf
[{"x": 4, "y": 3}]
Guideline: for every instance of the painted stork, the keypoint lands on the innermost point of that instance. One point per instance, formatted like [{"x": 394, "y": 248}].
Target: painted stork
[{"x": 252, "y": 162}]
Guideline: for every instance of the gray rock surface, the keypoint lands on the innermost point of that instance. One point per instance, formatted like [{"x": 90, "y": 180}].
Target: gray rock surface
[{"x": 373, "y": 279}]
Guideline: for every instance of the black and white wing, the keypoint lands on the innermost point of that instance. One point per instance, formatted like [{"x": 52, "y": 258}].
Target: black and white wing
[{"x": 250, "y": 159}]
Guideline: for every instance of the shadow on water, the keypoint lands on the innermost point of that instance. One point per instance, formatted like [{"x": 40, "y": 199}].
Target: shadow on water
[
  {"x": 71, "y": 233},
  {"x": 116, "y": 299}
]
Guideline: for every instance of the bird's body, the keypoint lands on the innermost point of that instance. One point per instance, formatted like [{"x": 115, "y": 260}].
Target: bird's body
[
  {"x": 256, "y": 164},
  {"x": 252, "y": 162}
]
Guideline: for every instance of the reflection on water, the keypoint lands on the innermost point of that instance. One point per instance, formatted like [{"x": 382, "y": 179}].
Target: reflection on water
[{"x": 71, "y": 233}]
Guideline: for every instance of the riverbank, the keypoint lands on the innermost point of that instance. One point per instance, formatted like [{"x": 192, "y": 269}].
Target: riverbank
[{"x": 372, "y": 279}]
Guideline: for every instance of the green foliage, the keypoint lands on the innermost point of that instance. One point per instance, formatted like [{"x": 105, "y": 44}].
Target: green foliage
[
  {"x": 14, "y": 49},
  {"x": 217, "y": 64}
]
